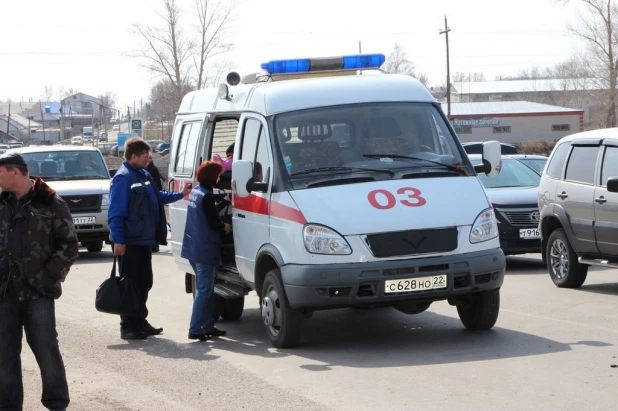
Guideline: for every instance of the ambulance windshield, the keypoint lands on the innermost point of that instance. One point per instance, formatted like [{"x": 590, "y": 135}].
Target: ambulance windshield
[{"x": 353, "y": 138}]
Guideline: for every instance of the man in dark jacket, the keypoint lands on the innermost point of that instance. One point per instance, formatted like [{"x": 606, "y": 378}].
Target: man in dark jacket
[
  {"x": 137, "y": 222},
  {"x": 38, "y": 245},
  {"x": 156, "y": 178}
]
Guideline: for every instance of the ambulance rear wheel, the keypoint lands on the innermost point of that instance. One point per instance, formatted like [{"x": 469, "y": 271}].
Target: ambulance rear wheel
[
  {"x": 232, "y": 308},
  {"x": 282, "y": 324}
]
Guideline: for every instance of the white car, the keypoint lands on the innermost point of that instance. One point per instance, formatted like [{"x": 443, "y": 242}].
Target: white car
[
  {"x": 116, "y": 127},
  {"x": 77, "y": 141},
  {"x": 81, "y": 177}
]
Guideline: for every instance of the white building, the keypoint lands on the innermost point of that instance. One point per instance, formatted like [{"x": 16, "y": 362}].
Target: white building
[{"x": 513, "y": 121}]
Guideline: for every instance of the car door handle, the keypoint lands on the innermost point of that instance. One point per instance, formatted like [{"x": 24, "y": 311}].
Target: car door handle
[
  {"x": 600, "y": 200},
  {"x": 240, "y": 215},
  {"x": 563, "y": 195}
]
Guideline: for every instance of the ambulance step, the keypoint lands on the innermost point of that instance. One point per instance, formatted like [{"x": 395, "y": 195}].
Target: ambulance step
[{"x": 229, "y": 290}]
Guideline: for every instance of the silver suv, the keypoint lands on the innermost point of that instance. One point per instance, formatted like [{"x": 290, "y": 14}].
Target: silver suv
[
  {"x": 578, "y": 201},
  {"x": 80, "y": 176}
]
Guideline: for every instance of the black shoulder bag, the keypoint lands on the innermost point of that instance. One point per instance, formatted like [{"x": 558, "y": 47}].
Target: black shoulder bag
[{"x": 118, "y": 295}]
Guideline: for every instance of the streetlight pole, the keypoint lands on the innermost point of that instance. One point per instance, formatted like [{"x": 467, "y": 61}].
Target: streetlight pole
[{"x": 448, "y": 70}]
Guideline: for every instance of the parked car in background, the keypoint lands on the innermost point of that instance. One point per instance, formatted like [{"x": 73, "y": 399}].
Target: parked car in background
[
  {"x": 578, "y": 199},
  {"x": 477, "y": 148},
  {"x": 163, "y": 148},
  {"x": 103, "y": 136},
  {"x": 513, "y": 194},
  {"x": 16, "y": 145},
  {"x": 116, "y": 127},
  {"x": 3, "y": 148},
  {"x": 80, "y": 176},
  {"x": 537, "y": 163},
  {"x": 77, "y": 141},
  {"x": 154, "y": 144}
]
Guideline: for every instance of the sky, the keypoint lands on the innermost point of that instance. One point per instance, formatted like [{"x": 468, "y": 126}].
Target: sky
[{"x": 85, "y": 45}]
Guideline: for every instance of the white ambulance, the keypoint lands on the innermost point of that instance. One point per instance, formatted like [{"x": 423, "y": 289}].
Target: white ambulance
[{"x": 348, "y": 190}]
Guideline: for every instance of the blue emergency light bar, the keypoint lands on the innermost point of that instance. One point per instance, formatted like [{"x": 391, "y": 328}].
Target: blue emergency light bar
[{"x": 355, "y": 62}]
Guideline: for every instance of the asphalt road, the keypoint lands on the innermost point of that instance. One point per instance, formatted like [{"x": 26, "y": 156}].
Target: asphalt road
[{"x": 551, "y": 349}]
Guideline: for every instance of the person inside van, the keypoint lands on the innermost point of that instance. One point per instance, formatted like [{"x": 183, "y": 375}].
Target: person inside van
[
  {"x": 227, "y": 163},
  {"x": 201, "y": 245}
]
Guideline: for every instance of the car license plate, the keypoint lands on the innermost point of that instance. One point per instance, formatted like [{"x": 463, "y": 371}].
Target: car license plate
[
  {"x": 83, "y": 220},
  {"x": 529, "y": 233},
  {"x": 405, "y": 285}
]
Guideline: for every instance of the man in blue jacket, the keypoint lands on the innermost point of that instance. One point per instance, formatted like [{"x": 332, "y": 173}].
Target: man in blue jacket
[{"x": 136, "y": 219}]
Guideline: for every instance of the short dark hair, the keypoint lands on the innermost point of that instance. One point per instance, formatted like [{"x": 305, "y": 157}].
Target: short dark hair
[
  {"x": 135, "y": 145},
  {"x": 208, "y": 172},
  {"x": 230, "y": 149},
  {"x": 23, "y": 169}
]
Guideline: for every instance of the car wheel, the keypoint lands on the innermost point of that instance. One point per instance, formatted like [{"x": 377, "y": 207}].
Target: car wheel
[
  {"x": 94, "y": 246},
  {"x": 564, "y": 268},
  {"x": 282, "y": 323},
  {"x": 480, "y": 310}
]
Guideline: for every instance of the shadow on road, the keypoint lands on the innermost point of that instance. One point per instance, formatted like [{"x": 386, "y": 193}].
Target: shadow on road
[
  {"x": 605, "y": 288},
  {"x": 162, "y": 347},
  {"x": 384, "y": 337},
  {"x": 533, "y": 264}
]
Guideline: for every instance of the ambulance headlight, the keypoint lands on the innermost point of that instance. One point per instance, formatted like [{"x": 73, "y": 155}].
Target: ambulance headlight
[
  {"x": 484, "y": 227},
  {"x": 323, "y": 240}
]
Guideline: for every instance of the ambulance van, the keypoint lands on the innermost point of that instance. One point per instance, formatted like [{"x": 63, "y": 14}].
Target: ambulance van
[{"x": 349, "y": 188}]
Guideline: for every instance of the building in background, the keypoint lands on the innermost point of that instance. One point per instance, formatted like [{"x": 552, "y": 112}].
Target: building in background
[{"x": 513, "y": 121}]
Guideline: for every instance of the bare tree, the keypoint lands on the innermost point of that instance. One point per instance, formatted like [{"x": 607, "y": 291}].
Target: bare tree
[
  {"x": 214, "y": 18},
  {"x": 108, "y": 101},
  {"x": 398, "y": 62},
  {"x": 180, "y": 53},
  {"x": 48, "y": 93},
  {"x": 459, "y": 77},
  {"x": 597, "y": 28},
  {"x": 166, "y": 49}
]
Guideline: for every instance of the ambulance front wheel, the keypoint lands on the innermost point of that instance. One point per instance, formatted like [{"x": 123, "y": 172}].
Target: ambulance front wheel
[{"x": 282, "y": 324}]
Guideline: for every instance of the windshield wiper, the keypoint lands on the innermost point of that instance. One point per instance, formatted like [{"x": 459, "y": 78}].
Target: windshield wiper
[
  {"x": 317, "y": 169},
  {"x": 455, "y": 167}
]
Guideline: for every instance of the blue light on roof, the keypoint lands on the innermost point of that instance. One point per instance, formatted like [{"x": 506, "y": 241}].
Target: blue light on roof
[{"x": 354, "y": 62}]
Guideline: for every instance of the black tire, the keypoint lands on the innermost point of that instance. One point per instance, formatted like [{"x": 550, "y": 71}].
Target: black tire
[
  {"x": 410, "y": 307},
  {"x": 94, "y": 246},
  {"x": 564, "y": 268},
  {"x": 480, "y": 311},
  {"x": 232, "y": 308},
  {"x": 282, "y": 324}
]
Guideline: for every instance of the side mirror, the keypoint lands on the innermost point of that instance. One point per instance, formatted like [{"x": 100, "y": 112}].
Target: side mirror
[
  {"x": 612, "y": 184},
  {"x": 242, "y": 172},
  {"x": 492, "y": 159},
  {"x": 112, "y": 172}
]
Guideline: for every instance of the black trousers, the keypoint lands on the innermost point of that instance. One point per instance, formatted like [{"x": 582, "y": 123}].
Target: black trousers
[
  {"x": 136, "y": 264},
  {"x": 38, "y": 319}
]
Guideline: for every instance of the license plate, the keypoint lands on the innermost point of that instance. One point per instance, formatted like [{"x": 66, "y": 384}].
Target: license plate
[
  {"x": 529, "y": 233},
  {"x": 83, "y": 220},
  {"x": 415, "y": 284}
]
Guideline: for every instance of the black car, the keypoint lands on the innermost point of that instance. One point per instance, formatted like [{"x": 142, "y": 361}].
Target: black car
[
  {"x": 514, "y": 194},
  {"x": 477, "y": 148}
]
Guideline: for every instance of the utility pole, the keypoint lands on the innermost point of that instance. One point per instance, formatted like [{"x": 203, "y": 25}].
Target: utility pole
[
  {"x": 42, "y": 120},
  {"x": 8, "y": 123},
  {"x": 448, "y": 71}
]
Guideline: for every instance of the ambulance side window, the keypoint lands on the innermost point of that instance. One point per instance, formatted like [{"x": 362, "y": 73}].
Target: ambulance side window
[
  {"x": 254, "y": 149},
  {"x": 184, "y": 163},
  {"x": 223, "y": 136}
]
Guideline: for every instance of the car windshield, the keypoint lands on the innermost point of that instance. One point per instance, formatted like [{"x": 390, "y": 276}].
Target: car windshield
[
  {"x": 512, "y": 174},
  {"x": 537, "y": 164},
  {"x": 67, "y": 165},
  {"x": 380, "y": 140}
]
